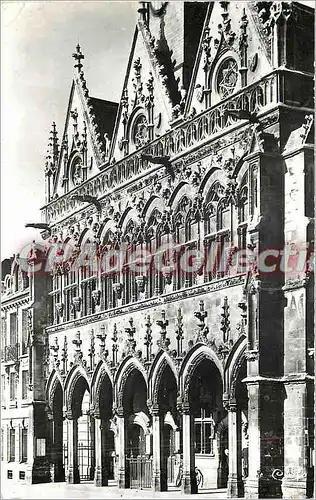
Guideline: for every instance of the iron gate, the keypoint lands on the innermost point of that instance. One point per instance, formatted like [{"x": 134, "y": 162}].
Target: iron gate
[
  {"x": 86, "y": 461},
  {"x": 140, "y": 472}
]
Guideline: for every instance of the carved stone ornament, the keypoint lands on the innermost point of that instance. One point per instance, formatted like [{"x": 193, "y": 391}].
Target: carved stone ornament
[
  {"x": 140, "y": 283},
  {"x": 252, "y": 355},
  {"x": 96, "y": 297},
  {"x": 167, "y": 272},
  {"x": 60, "y": 309},
  {"x": 76, "y": 301},
  {"x": 118, "y": 288}
]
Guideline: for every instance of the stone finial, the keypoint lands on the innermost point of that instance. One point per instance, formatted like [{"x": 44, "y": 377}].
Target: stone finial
[
  {"x": 77, "y": 342},
  {"x": 131, "y": 342},
  {"x": 114, "y": 346},
  {"x": 55, "y": 348},
  {"x": 78, "y": 57},
  {"x": 179, "y": 332},
  {"x": 102, "y": 336},
  {"x": 64, "y": 356},
  {"x": 164, "y": 341},
  {"x": 201, "y": 314},
  {"x": 52, "y": 152},
  {"x": 148, "y": 338},
  {"x": 91, "y": 350},
  {"x": 225, "y": 321}
]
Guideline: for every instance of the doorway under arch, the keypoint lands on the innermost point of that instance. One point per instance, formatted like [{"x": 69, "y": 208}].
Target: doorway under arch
[
  {"x": 79, "y": 436},
  {"x": 169, "y": 428},
  {"x": 138, "y": 464},
  {"x": 202, "y": 457}
]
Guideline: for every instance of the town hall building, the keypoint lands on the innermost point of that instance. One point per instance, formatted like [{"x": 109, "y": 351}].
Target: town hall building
[{"x": 167, "y": 363}]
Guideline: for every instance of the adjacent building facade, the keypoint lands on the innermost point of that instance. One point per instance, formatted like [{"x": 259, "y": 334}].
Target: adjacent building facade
[
  {"x": 23, "y": 398},
  {"x": 169, "y": 362}
]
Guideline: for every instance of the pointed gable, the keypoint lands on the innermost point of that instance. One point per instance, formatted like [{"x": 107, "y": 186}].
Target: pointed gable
[
  {"x": 86, "y": 138},
  {"x": 232, "y": 54},
  {"x": 158, "y": 73}
]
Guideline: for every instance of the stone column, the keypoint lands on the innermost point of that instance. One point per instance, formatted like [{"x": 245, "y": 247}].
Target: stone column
[
  {"x": 73, "y": 476},
  {"x": 121, "y": 473},
  {"x": 294, "y": 483},
  {"x": 234, "y": 485},
  {"x": 189, "y": 484},
  {"x": 252, "y": 481},
  {"x": 156, "y": 452},
  {"x": 101, "y": 472},
  {"x": 159, "y": 476}
]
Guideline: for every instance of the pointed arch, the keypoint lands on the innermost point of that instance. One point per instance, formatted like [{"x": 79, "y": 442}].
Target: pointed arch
[
  {"x": 194, "y": 357},
  {"x": 233, "y": 365},
  {"x": 212, "y": 175},
  {"x": 106, "y": 226},
  {"x": 154, "y": 202},
  {"x": 128, "y": 214},
  {"x": 51, "y": 386},
  {"x": 161, "y": 362},
  {"x": 128, "y": 365},
  {"x": 183, "y": 188},
  {"x": 75, "y": 374},
  {"x": 101, "y": 373}
]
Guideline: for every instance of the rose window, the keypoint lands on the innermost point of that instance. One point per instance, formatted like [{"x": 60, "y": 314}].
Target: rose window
[
  {"x": 227, "y": 78},
  {"x": 140, "y": 131}
]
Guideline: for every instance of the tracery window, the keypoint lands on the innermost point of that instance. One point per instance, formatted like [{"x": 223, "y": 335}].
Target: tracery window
[
  {"x": 71, "y": 293},
  {"x": 215, "y": 220},
  {"x": 155, "y": 279},
  {"x": 107, "y": 277},
  {"x": 130, "y": 290},
  {"x": 140, "y": 131},
  {"x": 243, "y": 212},
  {"x": 182, "y": 223},
  {"x": 88, "y": 276},
  {"x": 227, "y": 77}
]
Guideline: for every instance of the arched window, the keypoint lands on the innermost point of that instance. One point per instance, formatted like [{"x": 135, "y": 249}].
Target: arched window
[
  {"x": 243, "y": 212},
  {"x": 129, "y": 283},
  {"x": 243, "y": 204},
  {"x": 215, "y": 193},
  {"x": 108, "y": 276},
  {"x": 182, "y": 227},
  {"x": 155, "y": 284}
]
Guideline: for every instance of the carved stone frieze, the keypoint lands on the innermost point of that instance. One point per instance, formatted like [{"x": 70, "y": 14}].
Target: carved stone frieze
[{"x": 152, "y": 302}]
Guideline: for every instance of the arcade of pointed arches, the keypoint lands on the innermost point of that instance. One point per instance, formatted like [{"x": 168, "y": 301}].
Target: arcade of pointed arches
[{"x": 105, "y": 428}]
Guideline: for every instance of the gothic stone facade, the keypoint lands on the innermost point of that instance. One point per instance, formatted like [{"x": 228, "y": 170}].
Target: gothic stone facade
[{"x": 155, "y": 373}]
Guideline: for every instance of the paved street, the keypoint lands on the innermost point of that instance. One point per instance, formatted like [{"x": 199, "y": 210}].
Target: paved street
[{"x": 10, "y": 489}]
